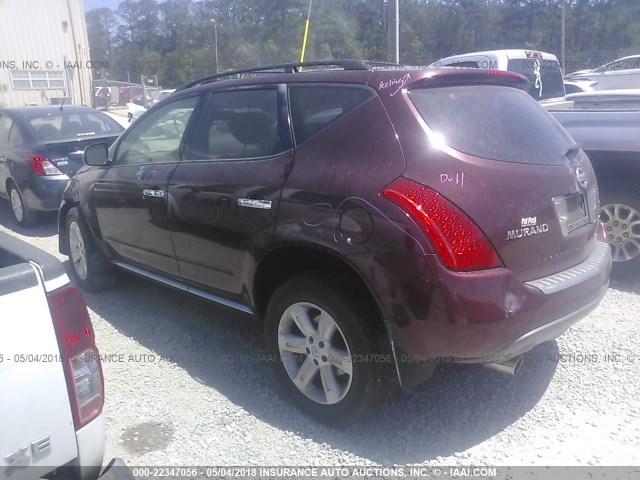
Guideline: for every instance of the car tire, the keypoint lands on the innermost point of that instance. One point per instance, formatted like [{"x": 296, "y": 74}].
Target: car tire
[
  {"x": 620, "y": 213},
  {"x": 342, "y": 375},
  {"x": 21, "y": 212},
  {"x": 90, "y": 268}
]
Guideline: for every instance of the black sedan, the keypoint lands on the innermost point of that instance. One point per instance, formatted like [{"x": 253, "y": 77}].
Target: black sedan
[{"x": 41, "y": 148}]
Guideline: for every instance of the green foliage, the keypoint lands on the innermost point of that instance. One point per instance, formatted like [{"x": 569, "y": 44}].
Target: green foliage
[{"x": 175, "y": 39}]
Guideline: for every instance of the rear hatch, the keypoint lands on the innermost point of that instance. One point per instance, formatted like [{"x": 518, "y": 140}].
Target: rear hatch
[
  {"x": 504, "y": 161},
  {"x": 66, "y": 154}
]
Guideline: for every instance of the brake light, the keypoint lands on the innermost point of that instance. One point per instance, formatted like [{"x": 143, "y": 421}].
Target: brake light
[
  {"x": 79, "y": 354},
  {"x": 504, "y": 73},
  {"x": 459, "y": 242},
  {"x": 42, "y": 167}
]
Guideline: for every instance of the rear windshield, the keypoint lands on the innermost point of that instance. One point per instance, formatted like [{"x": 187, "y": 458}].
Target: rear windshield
[
  {"x": 545, "y": 76},
  {"x": 494, "y": 122},
  {"x": 73, "y": 125}
]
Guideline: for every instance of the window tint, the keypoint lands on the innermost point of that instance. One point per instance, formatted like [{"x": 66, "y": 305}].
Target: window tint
[
  {"x": 315, "y": 108},
  {"x": 156, "y": 138},
  {"x": 5, "y": 128},
  {"x": 67, "y": 125},
  {"x": 239, "y": 124},
  {"x": 495, "y": 122}
]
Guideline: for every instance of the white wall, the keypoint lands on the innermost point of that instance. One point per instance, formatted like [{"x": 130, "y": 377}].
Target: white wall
[{"x": 35, "y": 31}]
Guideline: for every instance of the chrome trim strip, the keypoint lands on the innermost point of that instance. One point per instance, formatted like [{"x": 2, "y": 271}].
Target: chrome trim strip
[
  {"x": 252, "y": 203},
  {"x": 184, "y": 287},
  {"x": 149, "y": 192},
  {"x": 573, "y": 276}
]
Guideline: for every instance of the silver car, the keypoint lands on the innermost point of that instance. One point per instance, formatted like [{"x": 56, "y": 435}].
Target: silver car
[{"x": 621, "y": 73}]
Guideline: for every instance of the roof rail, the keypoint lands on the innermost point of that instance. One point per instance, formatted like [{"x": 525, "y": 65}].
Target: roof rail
[{"x": 282, "y": 68}]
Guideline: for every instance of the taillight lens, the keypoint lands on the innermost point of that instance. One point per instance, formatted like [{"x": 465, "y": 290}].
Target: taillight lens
[
  {"x": 459, "y": 242},
  {"x": 79, "y": 354},
  {"x": 42, "y": 167}
]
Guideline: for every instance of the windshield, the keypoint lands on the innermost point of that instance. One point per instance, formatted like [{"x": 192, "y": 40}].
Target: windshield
[{"x": 545, "y": 76}]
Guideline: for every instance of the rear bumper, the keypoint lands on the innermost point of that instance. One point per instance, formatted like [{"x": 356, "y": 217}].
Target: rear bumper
[
  {"x": 44, "y": 193},
  {"x": 437, "y": 315}
]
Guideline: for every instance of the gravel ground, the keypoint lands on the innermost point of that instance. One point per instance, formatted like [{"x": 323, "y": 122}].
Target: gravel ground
[{"x": 184, "y": 387}]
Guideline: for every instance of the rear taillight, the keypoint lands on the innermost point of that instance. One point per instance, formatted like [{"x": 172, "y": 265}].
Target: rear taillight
[
  {"x": 42, "y": 167},
  {"x": 79, "y": 354},
  {"x": 504, "y": 73},
  {"x": 458, "y": 241}
]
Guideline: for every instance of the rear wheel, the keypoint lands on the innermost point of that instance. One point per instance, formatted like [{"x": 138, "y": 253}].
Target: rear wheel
[
  {"x": 332, "y": 358},
  {"x": 620, "y": 214},
  {"x": 90, "y": 268},
  {"x": 21, "y": 212}
]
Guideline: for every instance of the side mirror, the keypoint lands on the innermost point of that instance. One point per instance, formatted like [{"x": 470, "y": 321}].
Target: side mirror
[{"x": 96, "y": 155}]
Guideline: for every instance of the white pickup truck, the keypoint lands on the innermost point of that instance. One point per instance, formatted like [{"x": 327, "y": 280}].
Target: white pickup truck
[{"x": 51, "y": 384}]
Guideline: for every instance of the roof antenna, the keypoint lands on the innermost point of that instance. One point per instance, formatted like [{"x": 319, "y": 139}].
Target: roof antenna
[{"x": 62, "y": 104}]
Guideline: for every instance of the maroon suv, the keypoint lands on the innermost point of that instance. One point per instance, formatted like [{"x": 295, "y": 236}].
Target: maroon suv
[{"x": 378, "y": 221}]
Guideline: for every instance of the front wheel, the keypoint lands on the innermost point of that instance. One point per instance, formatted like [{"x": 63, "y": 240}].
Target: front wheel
[
  {"x": 331, "y": 352},
  {"x": 91, "y": 269},
  {"x": 620, "y": 213}
]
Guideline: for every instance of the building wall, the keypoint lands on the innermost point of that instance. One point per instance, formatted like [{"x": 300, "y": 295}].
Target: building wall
[{"x": 49, "y": 39}]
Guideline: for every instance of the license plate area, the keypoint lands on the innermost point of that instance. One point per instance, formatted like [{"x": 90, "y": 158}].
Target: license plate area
[{"x": 572, "y": 211}]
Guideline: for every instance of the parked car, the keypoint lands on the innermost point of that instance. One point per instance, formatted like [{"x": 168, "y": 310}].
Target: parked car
[
  {"x": 578, "y": 86},
  {"x": 137, "y": 106},
  {"x": 52, "y": 387},
  {"x": 540, "y": 68},
  {"x": 611, "y": 138},
  {"x": 161, "y": 95},
  {"x": 621, "y": 73},
  {"x": 40, "y": 148},
  {"x": 378, "y": 221}
]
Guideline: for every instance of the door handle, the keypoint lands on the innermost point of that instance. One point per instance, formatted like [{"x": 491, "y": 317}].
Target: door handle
[
  {"x": 252, "y": 203},
  {"x": 153, "y": 193}
]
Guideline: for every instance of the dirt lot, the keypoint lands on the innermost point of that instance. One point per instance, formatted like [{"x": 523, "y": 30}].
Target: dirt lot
[{"x": 184, "y": 387}]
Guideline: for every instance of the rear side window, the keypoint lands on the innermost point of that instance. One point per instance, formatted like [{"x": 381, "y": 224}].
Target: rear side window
[
  {"x": 238, "y": 125},
  {"x": 494, "y": 122},
  {"x": 314, "y": 108},
  {"x": 545, "y": 76}
]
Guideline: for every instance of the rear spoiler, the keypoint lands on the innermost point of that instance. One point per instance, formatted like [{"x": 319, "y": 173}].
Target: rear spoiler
[{"x": 448, "y": 76}]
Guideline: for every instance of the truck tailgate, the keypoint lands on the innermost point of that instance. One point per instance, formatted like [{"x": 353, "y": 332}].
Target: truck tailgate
[{"x": 36, "y": 423}]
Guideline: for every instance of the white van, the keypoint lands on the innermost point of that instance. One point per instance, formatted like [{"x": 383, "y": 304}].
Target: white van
[{"x": 542, "y": 69}]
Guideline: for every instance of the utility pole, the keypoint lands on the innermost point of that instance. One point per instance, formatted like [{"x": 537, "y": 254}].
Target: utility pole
[
  {"x": 562, "y": 59},
  {"x": 397, "y": 23},
  {"x": 393, "y": 34},
  {"x": 215, "y": 35}
]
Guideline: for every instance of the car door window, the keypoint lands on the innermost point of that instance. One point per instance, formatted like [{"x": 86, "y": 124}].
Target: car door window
[
  {"x": 239, "y": 125},
  {"x": 157, "y": 137}
]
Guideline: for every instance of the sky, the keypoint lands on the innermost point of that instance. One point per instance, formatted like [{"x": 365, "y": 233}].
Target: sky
[{"x": 91, "y": 4}]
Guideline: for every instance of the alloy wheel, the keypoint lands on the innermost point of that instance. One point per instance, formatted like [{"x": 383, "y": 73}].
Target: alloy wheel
[
  {"x": 77, "y": 249},
  {"x": 315, "y": 353},
  {"x": 16, "y": 205},
  {"x": 622, "y": 226}
]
